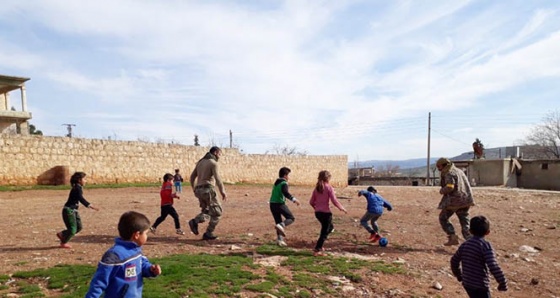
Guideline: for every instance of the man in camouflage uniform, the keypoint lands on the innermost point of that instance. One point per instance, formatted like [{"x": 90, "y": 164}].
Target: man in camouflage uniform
[
  {"x": 457, "y": 199},
  {"x": 206, "y": 176}
]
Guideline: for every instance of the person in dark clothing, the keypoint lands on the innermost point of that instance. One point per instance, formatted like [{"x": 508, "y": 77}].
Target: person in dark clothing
[
  {"x": 278, "y": 206},
  {"x": 70, "y": 214},
  {"x": 473, "y": 259}
]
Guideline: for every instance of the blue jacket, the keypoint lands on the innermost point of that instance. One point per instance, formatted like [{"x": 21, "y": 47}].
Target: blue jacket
[
  {"x": 375, "y": 202},
  {"x": 120, "y": 271}
]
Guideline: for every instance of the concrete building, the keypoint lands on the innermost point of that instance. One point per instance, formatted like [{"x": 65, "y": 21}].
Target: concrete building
[{"x": 13, "y": 114}]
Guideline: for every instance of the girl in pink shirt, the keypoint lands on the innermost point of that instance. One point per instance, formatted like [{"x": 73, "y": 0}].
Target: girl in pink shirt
[{"x": 322, "y": 195}]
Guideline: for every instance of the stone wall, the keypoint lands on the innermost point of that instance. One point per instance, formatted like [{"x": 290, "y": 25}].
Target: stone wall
[{"x": 24, "y": 160}]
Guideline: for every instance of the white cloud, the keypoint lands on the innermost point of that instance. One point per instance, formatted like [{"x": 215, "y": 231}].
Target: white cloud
[{"x": 344, "y": 77}]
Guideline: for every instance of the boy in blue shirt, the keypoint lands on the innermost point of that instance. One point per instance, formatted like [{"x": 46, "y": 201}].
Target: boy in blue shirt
[
  {"x": 375, "y": 204},
  {"x": 122, "y": 267}
]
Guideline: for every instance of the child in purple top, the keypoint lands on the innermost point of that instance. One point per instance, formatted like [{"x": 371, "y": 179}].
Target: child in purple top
[
  {"x": 322, "y": 195},
  {"x": 473, "y": 259}
]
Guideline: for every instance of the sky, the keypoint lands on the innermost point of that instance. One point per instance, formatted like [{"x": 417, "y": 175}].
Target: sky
[{"x": 367, "y": 79}]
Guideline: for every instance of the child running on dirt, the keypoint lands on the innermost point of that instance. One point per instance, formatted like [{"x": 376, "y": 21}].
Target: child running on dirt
[
  {"x": 122, "y": 268},
  {"x": 278, "y": 206},
  {"x": 322, "y": 195},
  {"x": 375, "y": 204},
  {"x": 167, "y": 195},
  {"x": 473, "y": 259},
  {"x": 70, "y": 214}
]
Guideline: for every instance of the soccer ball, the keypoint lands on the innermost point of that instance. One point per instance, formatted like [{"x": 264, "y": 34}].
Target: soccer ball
[{"x": 383, "y": 242}]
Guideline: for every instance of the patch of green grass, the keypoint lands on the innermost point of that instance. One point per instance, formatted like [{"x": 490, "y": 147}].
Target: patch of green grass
[
  {"x": 4, "y": 278},
  {"x": 27, "y": 288},
  {"x": 67, "y": 186},
  {"x": 205, "y": 275}
]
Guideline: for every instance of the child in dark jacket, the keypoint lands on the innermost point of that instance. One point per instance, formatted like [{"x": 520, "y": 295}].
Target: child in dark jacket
[
  {"x": 375, "y": 205},
  {"x": 473, "y": 259},
  {"x": 122, "y": 268}
]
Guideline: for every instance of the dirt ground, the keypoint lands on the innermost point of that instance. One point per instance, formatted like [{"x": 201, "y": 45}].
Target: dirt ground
[{"x": 30, "y": 220}]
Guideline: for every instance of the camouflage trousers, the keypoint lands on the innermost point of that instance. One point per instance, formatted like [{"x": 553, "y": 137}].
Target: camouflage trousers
[
  {"x": 464, "y": 220},
  {"x": 210, "y": 207}
]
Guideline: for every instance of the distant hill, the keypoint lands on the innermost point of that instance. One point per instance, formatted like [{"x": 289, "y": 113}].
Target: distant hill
[
  {"x": 417, "y": 166},
  {"x": 403, "y": 164}
]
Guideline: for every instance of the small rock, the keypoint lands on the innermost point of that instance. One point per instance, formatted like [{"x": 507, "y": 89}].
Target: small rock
[
  {"x": 524, "y": 230},
  {"x": 436, "y": 285},
  {"x": 534, "y": 281},
  {"x": 246, "y": 194},
  {"x": 527, "y": 248},
  {"x": 551, "y": 227},
  {"x": 250, "y": 234},
  {"x": 399, "y": 261},
  {"x": 234, "y": 247}
]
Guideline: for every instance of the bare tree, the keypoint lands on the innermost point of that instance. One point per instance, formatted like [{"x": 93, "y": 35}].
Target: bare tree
[
  {"x": 286, "y": 150},
  {"x": 545, "y": 137}
]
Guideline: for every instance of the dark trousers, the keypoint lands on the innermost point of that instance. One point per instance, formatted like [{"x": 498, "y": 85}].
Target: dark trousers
[
  {"x": 326, "y": 228},
  {"x": 278, "y": 210},
  {"x": 478, "y": 293},
  {"x": 165, "y": 211},
  {"x": 73, "y": 223}
]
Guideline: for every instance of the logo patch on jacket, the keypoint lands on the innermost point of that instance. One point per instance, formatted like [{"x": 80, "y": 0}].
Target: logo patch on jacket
[{"x": 130, "y": 272}]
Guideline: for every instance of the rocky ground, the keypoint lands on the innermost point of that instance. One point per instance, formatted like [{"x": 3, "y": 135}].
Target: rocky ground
[{"x": 525, "y": 234}]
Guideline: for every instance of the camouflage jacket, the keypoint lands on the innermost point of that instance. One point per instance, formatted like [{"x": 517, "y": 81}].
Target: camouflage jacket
[{"x": 455, "y": 189}]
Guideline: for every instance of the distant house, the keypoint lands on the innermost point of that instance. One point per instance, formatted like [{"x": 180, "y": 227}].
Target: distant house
[
  {"x": 10, "y": 115},
  {"x": 520, "y": 166}
]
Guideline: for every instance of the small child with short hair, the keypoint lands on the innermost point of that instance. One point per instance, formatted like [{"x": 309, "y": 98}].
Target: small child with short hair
[
  {"x": 278, "y": 207},
  {"x": 122, "y": 268},
  {"x": 473, "y": 259},
  {"x": 375, "y": 204},
  {"x": 178, "y": 181},
  {"x": 167, "y": 195}
]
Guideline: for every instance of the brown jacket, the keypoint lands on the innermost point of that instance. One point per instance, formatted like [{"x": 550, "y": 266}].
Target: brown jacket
[
  {"x": 455, "y": 189},
  {"x": 206, "y": 173}
]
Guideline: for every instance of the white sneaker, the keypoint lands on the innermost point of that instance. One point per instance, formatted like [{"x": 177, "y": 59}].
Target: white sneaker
[
  {"x": 282, "y": 243},
  {"x": 153, "y": 230},
  {"x": 280, "y": 228}
]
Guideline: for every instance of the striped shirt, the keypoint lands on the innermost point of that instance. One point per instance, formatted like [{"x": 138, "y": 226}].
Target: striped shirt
[{"x": 472, "y": 261}]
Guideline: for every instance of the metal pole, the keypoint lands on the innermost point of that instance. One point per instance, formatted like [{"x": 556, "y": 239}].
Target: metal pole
[
  {"x": 230, "y": 139},
  {"x": 428, "y": 160}
]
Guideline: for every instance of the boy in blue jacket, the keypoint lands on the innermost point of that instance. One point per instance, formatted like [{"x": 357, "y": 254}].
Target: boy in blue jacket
[
  {"x": 122, "y": 267},
  {"x": 375, "y": 204}
]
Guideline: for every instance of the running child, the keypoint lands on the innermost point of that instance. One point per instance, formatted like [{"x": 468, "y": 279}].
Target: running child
[
  {"x": 322, "y": 195},
  {"x": 375, "y": 205},
  {"x": 278, "y": 206},
  {"x": 70, "y": 214},
  {"x": 122, "y": 268},
  {"x": 167, "y": 195}
]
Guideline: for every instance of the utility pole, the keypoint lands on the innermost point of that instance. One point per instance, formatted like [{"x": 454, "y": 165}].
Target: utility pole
[
  {"x": 230, "y": 139},
  {"x": 428, "y": 161},
  {"x": 69, "y": 128}
]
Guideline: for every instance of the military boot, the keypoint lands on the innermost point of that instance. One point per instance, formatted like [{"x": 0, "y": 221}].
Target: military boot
[{"x": 452, "y": 240}]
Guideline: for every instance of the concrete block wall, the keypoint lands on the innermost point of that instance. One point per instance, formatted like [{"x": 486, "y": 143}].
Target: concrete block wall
[{"x": 23, "y": 159}]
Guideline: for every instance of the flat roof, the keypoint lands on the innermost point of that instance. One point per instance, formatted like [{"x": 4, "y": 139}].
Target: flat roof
[{"x": 9, "y": 83}]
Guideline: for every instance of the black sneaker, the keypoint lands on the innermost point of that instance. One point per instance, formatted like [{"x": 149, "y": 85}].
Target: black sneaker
[
  {"x": 193, "y": 225},
  {"x": 208, "y": 237}
]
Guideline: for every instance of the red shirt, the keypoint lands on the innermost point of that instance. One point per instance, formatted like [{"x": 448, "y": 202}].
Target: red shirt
[{"x": 166, "y": 193}]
